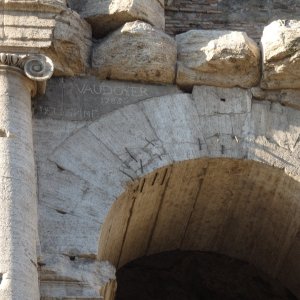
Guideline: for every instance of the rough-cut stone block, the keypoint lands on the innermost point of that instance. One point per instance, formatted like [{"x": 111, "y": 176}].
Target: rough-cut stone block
[
  {"x": 219, "y": 58},
  {"x": 136, "y": 52},
  {"x": 281, "y": 55},
  {"x": 54, "y": 31},
  {"x": 106, "y": 16}
]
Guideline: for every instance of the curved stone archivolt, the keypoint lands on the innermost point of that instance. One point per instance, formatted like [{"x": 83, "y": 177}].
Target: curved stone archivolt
[
  {"x": 212, "y": 122},
  {"x": 223, "y": 176}
]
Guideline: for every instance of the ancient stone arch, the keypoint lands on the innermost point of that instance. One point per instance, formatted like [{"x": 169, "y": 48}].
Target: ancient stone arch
[
  {"x": 247, "y": 149},
  {"x": 141, "y": 106}
]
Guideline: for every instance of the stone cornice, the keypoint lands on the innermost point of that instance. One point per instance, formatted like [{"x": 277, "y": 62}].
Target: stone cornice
[
  {"x": 34, "y": 5},
  {"x": 61, "y": 35}
]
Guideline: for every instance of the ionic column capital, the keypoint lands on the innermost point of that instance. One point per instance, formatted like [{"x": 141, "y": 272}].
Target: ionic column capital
[{"x": 36, "y": 67}]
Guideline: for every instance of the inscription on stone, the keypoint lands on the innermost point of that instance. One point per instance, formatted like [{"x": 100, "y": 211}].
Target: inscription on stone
[{"x": 87, "y": 98}]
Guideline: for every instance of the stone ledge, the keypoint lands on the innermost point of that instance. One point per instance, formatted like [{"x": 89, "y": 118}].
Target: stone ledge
[{"x": 35, "y": 5}]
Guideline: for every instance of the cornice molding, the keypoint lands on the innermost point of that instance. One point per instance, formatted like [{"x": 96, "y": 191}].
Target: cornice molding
[{"x": 34, "y": 5}]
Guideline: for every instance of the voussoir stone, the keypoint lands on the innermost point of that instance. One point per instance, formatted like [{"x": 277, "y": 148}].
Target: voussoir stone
[
  {"x": 281, "y": 55},
  {"x": 218, "y": 58},
  {"x": 108, "y": 15},
  {"x": 136, "y": 52},
  {"x": 50, "y": 28}
]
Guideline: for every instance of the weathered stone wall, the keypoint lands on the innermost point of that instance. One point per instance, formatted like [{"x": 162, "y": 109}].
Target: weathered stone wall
[
  {"x": 244, "y": 15},
  {"x": 145, "y": 100}
]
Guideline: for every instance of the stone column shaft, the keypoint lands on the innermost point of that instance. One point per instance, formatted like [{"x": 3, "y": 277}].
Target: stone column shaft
[
  {"x": 18, "y": 203},
  {"x": 18, "y": 198}
]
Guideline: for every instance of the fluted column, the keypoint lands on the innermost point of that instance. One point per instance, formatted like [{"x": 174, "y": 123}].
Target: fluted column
[{"x": 18, "y": 199}]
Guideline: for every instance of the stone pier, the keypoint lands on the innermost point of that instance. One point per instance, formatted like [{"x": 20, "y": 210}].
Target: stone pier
[{"x": 18, "y": 200}]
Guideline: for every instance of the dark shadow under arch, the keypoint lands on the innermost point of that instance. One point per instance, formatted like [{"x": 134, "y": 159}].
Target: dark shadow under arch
[{"x": 194, "y": 275}]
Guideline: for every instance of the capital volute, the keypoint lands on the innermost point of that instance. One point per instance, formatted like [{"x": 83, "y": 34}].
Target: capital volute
[{"x": 36, "y": 67}]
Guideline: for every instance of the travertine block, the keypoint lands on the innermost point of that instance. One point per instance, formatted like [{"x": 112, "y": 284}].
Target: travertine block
[
  {"x": 136, "y": 52},
  {"x": 106, "y": 16},
  {"x": 55, "y": 31},
  {"x": 281, "y": 55},
  {"x": 214, "y": 100},
  {"x": 218, "y": 58}
]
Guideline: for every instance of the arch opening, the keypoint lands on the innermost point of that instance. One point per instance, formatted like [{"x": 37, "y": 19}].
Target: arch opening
[
  {"x": 242, "y": 209},
  {"x": 192, "y": 275}
]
